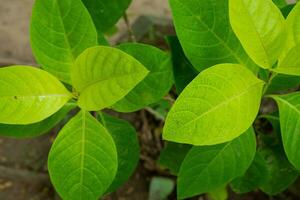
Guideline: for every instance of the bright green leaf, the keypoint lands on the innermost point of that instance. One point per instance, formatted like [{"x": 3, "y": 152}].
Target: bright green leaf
[
  {"x": 172, "y": 156},
  {"x": 281, "y": 173},
  {"x": 183, "y": 70},
  {"x": 160, "y": 188},
  {"x": 220, "y": 193},
  {"x": 29, "y": 95},
  {"x": 36, "y": 129},
  {"x": 104, "y": 75},
  {"x": 256, "y": 175},
  {"x": 207, "y": 168},
  {"x": 83, "y": 159},
  {"x": 205, "y": 34},
  {"x": 293, "y": 30},
  {"x": 156, "y": 84},
  {"x": 217, "y": 106},
  {"x": 60, "y": 31},
  {"x": 106, "y": 13},
  {"x": 260, "y": 27},
  {"x": 128, "y": 149},
  {"x": 290, "y": 65},
  {"x": 289, "y": 111}
]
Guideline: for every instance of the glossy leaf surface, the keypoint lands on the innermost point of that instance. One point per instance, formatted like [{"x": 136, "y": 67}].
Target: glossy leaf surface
[
  {"x": 227, "y": 94},
  {"x": 60, "y": 31},
  {"x": 83, "y": 159},
  {"x": 207, "y": 168},
  {"x": 36, "y": 129},
  {"x": 260, "y": 27},
  {"x": 104, "y": 75},
  {"x": 205, "y": 34},
  {"x": 29, "y": 95},
  {"x": 289, "y": 111}
]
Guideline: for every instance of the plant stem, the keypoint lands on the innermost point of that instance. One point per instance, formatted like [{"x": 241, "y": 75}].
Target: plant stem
[
  {"x": 130, "y": 31},
  {"x": 272, "y": 75}
]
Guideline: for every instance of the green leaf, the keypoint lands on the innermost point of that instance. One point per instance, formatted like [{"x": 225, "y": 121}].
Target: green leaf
[
  {"x": 106, "y": 13},
  {"x": 287, "y": 9},
  {"x": 293, "y": 30},
  {"x": 281, "y": 83},
  {"x": 260, "y": 27},
  {"x": 29, "y": 95},
  {"x": 128, "y": 149},
  {"x": 281, "y": 173},
  {"x": 207, "y": 168},
  {"x": 82, "y": 162},
  {"x": 160, "y": 188},
  {"x": 156, "y": 84},
  {"x": 36, "y": 129},
  {"x": 205, "y": 34},
  {"x": 183, "y": 70},
  {"x": 172, "y": 156},
  {"x": 256, "y": 175},
  {"x": 289, "y": 111},
  {"x": 217, "y": 106},
  {"x": 280, "y": 3},
  {"x": 104, "y": 75},
  {"x": 220, "y": 193},
  {"x": 60, "y": 30},
  {"x": 290, "y": 65}
]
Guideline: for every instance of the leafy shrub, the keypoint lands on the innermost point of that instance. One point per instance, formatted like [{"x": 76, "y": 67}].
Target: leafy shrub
[{"x": 227, "y": 56}]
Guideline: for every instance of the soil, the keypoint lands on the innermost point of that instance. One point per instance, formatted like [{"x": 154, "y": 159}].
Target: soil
[{"x": 23, "y": 163}]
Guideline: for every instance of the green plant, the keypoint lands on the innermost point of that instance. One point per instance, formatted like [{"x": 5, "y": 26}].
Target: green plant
[
  {"x": 228, "y": 56},
  {"x": 94, "y": 153},
  {"x": 244, "y": 51}
]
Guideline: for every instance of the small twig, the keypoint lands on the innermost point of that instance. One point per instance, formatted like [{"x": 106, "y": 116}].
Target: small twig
[{"x": 130, "y": 31}]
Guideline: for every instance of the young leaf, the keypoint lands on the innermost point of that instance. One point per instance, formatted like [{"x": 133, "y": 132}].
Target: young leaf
[
  {"x": 60, "y": 30},
  {"x": 260, "y": 27},
  {"x": 220, "y": 193},
  {"x": 183, "y": 70},
  {"x": 82, "y": 162},
  {"x": 172, "y": 156},
  {"x": 106, "y": 13},
  {"x": 293, "y": 30},
  {"x": 104, "y": 75},
  {"x": 205, "y": 34},
  {"x": 29, "y": 95},
  {"x": 217, "y": 106},
  {"x": 256, "y": 175},
  {"x": 290, "y": 65},
  {"x": 281, "y": 173},
  {"x": 207, "y": 168},
  {"x": 289, "y": 111},
  {"x": 128, "y": 149},
  {"x": 156, "y": 84},
  {"x": 36, "y": 129}
]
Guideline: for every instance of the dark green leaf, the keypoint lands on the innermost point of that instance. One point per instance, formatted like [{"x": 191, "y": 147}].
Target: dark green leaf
[
  {"x": 172, "y": 156},
  {"x": 183, "y": 70},
  {"x": 156, "y": 84},
  {"x": 206, "y": 168},
  {"x": 128, "y": 149}
]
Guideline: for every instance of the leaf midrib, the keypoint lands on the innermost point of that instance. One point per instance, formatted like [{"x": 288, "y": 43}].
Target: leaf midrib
[
  {"x": 220, "y": 104},
  {"x": 237, "y": 57}
]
